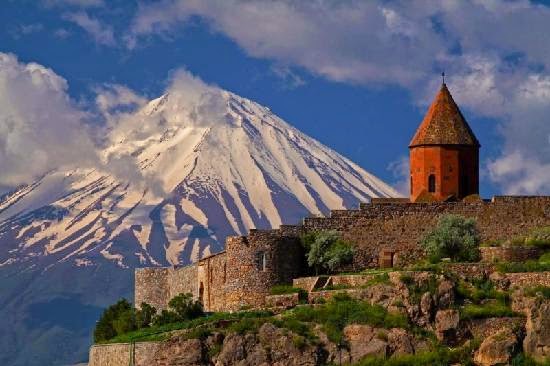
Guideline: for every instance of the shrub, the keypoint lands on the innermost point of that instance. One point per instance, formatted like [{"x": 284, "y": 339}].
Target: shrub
[
  {"x": 181, "y": 308},
  {"x": 111, "y": 321},
  {"x": 185, "y": 307},
  {"x": 455, "y": 237},
  {"x": 539, "y": 237},
  {"x": 145, "y": 315},
  {"x": 326, "y": 252},
  {"x": 481, "y": 290}
]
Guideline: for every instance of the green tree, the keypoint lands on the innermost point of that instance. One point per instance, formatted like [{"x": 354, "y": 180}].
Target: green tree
[
  {"x": 326, "y": 251},
  {"x": 185, "y": 307},
  {"x": 105, "y": 327},
  {"x": 181, "y": 308},
  {"x": 455, "y": 237},
  {"x": 144, "y": 316}
]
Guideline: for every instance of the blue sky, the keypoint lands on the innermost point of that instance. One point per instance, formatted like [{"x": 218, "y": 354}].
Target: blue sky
[{"x": 353, "y": 75}]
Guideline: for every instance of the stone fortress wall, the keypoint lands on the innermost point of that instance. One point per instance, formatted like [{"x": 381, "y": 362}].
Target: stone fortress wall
[{"x": 244, "y": 273}]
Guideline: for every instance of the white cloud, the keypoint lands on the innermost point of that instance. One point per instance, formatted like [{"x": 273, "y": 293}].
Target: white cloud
[
  {"x": 25, "y": 29},
  {"x": 61, "y": 33},
  {"x": 401, "y": 173},
  {"x": 495, "y": 53},
  {"x": 75, "y": 3},
  {"x": 102, "y": 34},
  {"x": 40, "y": 128}
]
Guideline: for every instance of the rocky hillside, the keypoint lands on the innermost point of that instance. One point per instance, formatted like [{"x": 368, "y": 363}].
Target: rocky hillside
[{"x": 461, "y": 314}]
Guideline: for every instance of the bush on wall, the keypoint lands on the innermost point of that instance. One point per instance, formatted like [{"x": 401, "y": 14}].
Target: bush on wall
[
  {"x": 454, "y": 237},
  {"x": 326, "y": 251}
]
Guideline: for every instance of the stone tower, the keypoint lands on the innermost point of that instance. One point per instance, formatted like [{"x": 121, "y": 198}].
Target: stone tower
[{"x": 444, "y": 154}]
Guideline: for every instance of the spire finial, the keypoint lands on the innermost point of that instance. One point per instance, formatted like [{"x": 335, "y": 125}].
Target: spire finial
[{"x": 443, "y": 77}]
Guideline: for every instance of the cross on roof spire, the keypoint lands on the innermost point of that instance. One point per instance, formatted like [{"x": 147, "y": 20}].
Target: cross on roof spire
[{"x": 443, "y": 77}]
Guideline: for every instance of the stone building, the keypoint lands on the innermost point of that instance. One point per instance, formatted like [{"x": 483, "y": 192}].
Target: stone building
[{"x": 444, "y": 156}]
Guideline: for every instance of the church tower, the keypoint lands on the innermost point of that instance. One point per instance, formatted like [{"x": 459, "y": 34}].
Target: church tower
[{"x": 444, "y": 154}]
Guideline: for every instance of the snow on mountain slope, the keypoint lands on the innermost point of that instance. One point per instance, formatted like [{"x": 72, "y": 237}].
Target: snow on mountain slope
[{"x": 190, "y": 183}]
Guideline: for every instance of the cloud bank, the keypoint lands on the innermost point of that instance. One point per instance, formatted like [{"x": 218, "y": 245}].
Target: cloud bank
[
  {"x": 40, "y": 127},
  {"x": 495, "y": 52}
]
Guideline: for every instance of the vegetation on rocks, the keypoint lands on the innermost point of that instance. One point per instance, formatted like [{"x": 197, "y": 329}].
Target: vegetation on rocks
[
  {"x": 121, "y": 318},
  {"x": 342, "y": 310},
  {"x": 454, "y": 237}
]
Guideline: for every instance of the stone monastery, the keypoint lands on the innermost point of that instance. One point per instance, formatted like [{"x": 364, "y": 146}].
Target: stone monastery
[{"x": 444, "y": 179}]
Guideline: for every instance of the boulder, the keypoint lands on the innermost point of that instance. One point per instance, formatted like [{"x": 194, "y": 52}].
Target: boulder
[
  {"x": 537, "y": 328},
  {"x": 363, "y": 341},
  {"x": 445, "y": 294},
  {"x": 400, "y": 342},
  {"x": 446, "y": 324},
  {"x": 497, "y": 349},
  {"x": 180, "y": 352}
]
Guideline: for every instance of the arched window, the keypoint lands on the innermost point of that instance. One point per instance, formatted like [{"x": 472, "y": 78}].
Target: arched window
[{"x": 431, "y": 183}]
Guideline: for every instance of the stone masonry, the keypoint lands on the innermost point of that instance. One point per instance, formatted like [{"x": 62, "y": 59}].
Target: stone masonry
[{"x": 244, "y": 273}]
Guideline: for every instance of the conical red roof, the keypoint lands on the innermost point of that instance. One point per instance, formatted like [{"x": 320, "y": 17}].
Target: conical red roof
[{"x": 444, "y": 124}]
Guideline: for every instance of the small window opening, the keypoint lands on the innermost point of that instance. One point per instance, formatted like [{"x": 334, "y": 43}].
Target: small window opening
[
  {"x": 261, "y": 261},
  {"x": 431, "y": 183}
]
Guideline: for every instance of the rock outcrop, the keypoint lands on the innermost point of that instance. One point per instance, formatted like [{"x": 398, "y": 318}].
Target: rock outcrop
[{"x": 497, "y": 349}]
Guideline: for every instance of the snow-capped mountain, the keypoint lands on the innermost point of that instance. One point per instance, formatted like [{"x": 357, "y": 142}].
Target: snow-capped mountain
[
  {"x": 195, "y": 183},
  {"x": 172, "y": 181}
]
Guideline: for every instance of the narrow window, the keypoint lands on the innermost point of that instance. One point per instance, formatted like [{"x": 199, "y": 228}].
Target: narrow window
[
  {"x": 431, "y": 183},
  {"x": 465, "y": 185},
  {"x": 411, "y": 184},
  {"x": 224, "y": 273},
  {"x": 201, "y": 293},
  {"x": 261, "y": 261}
]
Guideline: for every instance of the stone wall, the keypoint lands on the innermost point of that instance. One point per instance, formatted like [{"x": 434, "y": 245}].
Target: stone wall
[
  {"x": 243, "y": 275},
  {"x": 509, "y": 253},
  {"x": 399, "y": 226},
  {"x": 212, "y": 277},
  {"x": 151, "y": 286},
  {"x": 118, "y": 354},
  {"x": 521, "y": 280},
  {"x": 257, "y": 262},
  {"x": 156, "y": 286}
]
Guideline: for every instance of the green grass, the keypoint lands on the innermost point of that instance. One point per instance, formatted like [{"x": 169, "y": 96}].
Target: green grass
[
  {"x": 342, "y": 310},
  {"x": 480, "y": 290},
  {"x": 527, "y": 266},
  {"x": 543, "y": 290},
  {"x": 490, "y": 310},
  {"x": 523, "y": 360},
  {"x": 158, "y": 333},
  {"x": 378, "y": 279},
  {"x": 333, "y": 287},
  {"x": 289, "y": 289},
  {"x": 440, "y": 356}
]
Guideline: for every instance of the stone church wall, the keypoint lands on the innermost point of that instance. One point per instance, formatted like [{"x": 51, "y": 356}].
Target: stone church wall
[
  {"x": 400, "y": 226},
  {"x": 243, "y": 275}
]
